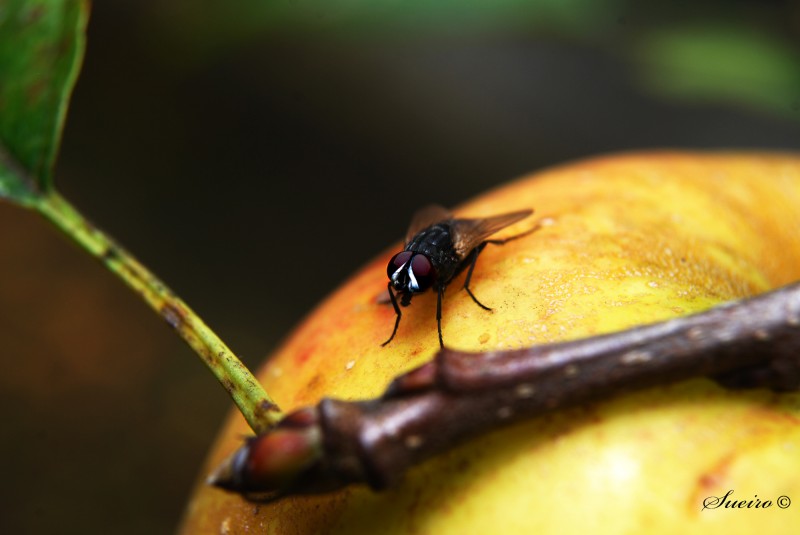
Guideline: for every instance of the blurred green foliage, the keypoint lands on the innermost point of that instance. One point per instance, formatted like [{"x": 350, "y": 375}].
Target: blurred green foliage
[
  {"x": 710, "y": 50},
  {"x": 207, "y": 19},
  {"x": 725, "y": 64}
]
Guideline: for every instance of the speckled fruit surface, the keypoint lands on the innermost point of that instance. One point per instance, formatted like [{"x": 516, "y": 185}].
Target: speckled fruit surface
[{"x": 624, "y": 240}]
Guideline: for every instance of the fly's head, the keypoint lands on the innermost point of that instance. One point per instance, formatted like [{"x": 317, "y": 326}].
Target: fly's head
[{"x": 410, "y": 273}]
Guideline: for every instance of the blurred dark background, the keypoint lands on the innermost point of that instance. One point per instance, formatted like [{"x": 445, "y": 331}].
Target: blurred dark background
[{"x": 255, "y": 153}]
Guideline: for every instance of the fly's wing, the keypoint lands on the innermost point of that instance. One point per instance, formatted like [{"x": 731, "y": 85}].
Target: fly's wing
[
  {"x": 469, "y": 233},
  {"x": 426, "y": 217}
]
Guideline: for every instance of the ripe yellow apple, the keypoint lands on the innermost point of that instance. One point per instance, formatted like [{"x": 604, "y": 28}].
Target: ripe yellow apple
[{"x": 624, "y": 240}]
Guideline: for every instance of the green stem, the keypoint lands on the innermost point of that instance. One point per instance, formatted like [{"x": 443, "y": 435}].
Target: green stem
[{"x": 254, "y": 403}]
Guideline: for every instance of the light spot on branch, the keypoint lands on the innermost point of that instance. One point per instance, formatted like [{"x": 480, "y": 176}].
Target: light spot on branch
[
  {"x": 504, "y": 413},
  {"x": 695, "y": 333},
  {"x": 724, "y": 335},
  {"x": 413, "y": 442},
  {"x": 525, "y": 390},
  {"x": 761, "y": 334},
  {"x": 636, "y": 356}
]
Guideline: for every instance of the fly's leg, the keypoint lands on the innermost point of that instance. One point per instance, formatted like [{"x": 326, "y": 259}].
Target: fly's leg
[
  {"x": 477, "y": 251},
  {"x": 474, "y": 254},
  {"x": 398, "y": 315},
  {"x": 440, "y": 295}
]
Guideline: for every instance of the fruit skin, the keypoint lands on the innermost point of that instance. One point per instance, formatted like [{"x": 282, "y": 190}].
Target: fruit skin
[{"x": 625, "y": 240}]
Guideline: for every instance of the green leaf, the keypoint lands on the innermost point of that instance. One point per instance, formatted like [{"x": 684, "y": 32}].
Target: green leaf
[{"x": 41, "y": 48}]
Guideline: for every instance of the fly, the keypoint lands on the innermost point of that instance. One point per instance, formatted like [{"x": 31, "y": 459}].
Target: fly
[{"x": 437, "y": 249}]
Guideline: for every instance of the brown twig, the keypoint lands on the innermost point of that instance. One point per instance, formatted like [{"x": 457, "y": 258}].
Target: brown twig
[{"x": 458, "y": 395}]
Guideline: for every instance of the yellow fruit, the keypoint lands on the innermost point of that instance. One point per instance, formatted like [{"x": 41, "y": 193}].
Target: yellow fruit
[{"x": 625, "y": 240}]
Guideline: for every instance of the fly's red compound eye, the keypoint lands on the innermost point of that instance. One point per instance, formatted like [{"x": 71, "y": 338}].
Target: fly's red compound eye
[
  {"x": 423, "y": 271},
  {"x": 397, "y": 262}
]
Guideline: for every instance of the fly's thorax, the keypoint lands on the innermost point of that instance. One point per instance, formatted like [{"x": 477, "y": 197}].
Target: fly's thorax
[
  {"x": 436, "y": 243},
  {"x": 432, "y": 240}
]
